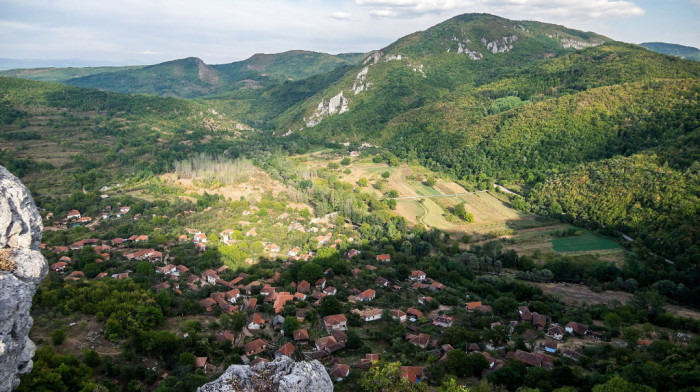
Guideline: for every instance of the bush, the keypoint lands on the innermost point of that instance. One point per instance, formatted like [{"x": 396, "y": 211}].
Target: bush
[
  {"x": 386, "y": 174},
  {"x": 58, "y": 337},
  {"x": 345, "y": 161}
]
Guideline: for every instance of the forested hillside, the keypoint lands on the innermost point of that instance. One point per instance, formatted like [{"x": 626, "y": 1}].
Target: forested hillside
[{"x": 191, "y": 77}]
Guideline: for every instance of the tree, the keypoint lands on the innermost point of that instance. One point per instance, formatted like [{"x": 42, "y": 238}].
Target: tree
[
  {"x": 58, "y": 337},
  {"x": 505, "y": 305},
  {"x": 310, "y": 272},
  {"x": 238, "y": 321},
  {"x": 452, "y": 386},
  {"x": 345, "y": 161},
  {"x": 91, "y": 357},
  {"x": 145, "y": 268},
  {"x": 619, "y": 384},
  {"x": 386, "y": 377},
  {"x": 462, "y": 213},
  {"x": 386, "y": 174},
  {"x": 362, "y": 182},
  {"x": 330, "y": 305},
  {"x": 430, "y": 181},
  {"x": 290, "y": 325},
  {"x": 354, "y": 341}
]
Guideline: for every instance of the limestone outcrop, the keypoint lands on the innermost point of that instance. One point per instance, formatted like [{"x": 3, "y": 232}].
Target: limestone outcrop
[
  {"x": 22, "y": 268},
  {"x": 282, "y": 375}
]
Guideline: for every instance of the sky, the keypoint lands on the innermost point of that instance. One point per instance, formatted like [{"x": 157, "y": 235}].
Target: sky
[{"x": 223, "y": 31}]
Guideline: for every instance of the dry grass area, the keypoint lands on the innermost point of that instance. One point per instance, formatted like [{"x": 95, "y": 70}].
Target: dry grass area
[
  {"x": 580, "y": 295},
  {"x": 82, "y": 331},
  {"x": 259, "y": 183}
]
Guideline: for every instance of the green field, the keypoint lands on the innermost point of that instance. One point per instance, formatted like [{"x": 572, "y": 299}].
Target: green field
[{"x": 583, "y": 243}]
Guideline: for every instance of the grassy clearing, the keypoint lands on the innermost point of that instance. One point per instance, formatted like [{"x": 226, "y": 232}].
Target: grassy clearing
[{"x": 583, "y": 243}]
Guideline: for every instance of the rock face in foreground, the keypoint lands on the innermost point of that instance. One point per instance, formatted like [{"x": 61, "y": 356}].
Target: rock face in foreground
[
  {"x": 282, "y": 374},
  {"x": 22, "y": 268}
]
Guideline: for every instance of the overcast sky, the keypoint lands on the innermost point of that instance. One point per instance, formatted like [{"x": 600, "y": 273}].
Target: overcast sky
[{"x": 222, "y": 31}]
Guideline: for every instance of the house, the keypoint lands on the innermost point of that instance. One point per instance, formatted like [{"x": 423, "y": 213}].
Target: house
[
  {"x": 233, "y": 295},
  {"x": 485, "y": 309},
  {"x": 168, "y": 269},
  {"x": 323, "y": 342},
  {"x": 539, "y": 321},
  {"x": 354, "y": 154},
  {"x": 414, "y": 314},
  {"x": 301, "y": 336},
  {"x": 209, "y": 276},
  {"x": 255, "y": 322},
  {"x": 473, "y": 305},
  {"x": 304, "y": 287},
  {"x": 382, "y": 282},
  {"x": 550, "y": 346},
  {"x": 224, "y": 336},
  {"x": 255, "y": 347},
  {"x": 252, "y": 304},
  {"x": 287, "y": 349},
  {"x": 398, "y": 314},
  {"x": 335, "y": 322},
  {"x": 141, "y": 238},
  {"x": 58, "y": 267},
  {"x": 568, "y": 353},
  {"x": 123, "y": 275},
  {"x": 369, "y": 314},
  {"x": 155, "y": 256},
  {"x": 252, "y": 232},
  {"x": 417, "y": 275},
  {"x": 339, "y": 371},
  {"x": 489, "y": 359},
  {"x": 367, "y": 361},
  {"x": 277, "y": 321},
  {"x": 385, "y": 258},
  {"x": 301, "y": 315},
  {"x": 370, "y": 267},
  {"x": 524, "y": 313},
  {"x": 330, "y": 290},
  {"x": 73, "y": 214},
  {"x": 65, "y": 259},
  {"x": 162, "y": 286},
  {"x": 340, "y": 336},
  {"x": 421, "y": 340},
  {"x": 201, "y": 362},
  {"x": 182, "y": 238},
  {"x": 353, "y": 252},
  {"x": 412, "y": 373},
  {"x": 442, "y": 321},
  {"x": 424, "y": 300},
  {"x": 321, "y": 284},
  {"x": 525, "y": 357},
  {"x": 208, "y": 304},
  {"x": 125, "y": 209},
  {"x": 367, "y": 295},
  {"x": 436, "y": 286},
  {"x": 574, "y": 327},
  {"x": 555, "y": 331},
  {"x": 200, "y": 238}
]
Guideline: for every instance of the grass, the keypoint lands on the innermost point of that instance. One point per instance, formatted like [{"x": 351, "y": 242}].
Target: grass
[{"x": 583, "y": 243}]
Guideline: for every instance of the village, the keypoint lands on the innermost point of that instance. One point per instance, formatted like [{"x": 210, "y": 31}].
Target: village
[{"x": 337, "y": 316}]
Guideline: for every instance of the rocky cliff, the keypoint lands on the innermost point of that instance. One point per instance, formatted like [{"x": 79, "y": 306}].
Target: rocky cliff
[
  {"x": 22, "y": 268},
  {"x": 280, "y": 375}
]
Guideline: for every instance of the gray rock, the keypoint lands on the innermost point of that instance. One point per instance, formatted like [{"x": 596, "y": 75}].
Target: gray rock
[
  {"x": 20, "y": 238},
  {"x": 282, "y": 375}
]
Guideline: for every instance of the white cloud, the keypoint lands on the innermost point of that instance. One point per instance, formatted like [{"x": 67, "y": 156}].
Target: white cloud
[
  {"x": 340, "y": 15},
  {"x": 566, "y": 8}
]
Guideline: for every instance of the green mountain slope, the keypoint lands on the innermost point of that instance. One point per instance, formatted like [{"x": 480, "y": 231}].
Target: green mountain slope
[
  {"x": 61, "y": 74},
  {"x": 521, "y": 102},
  {"x": 61, "y": 138},
  {"x": 191, "y": 77},
  {"x": 686, "y": 52}
]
